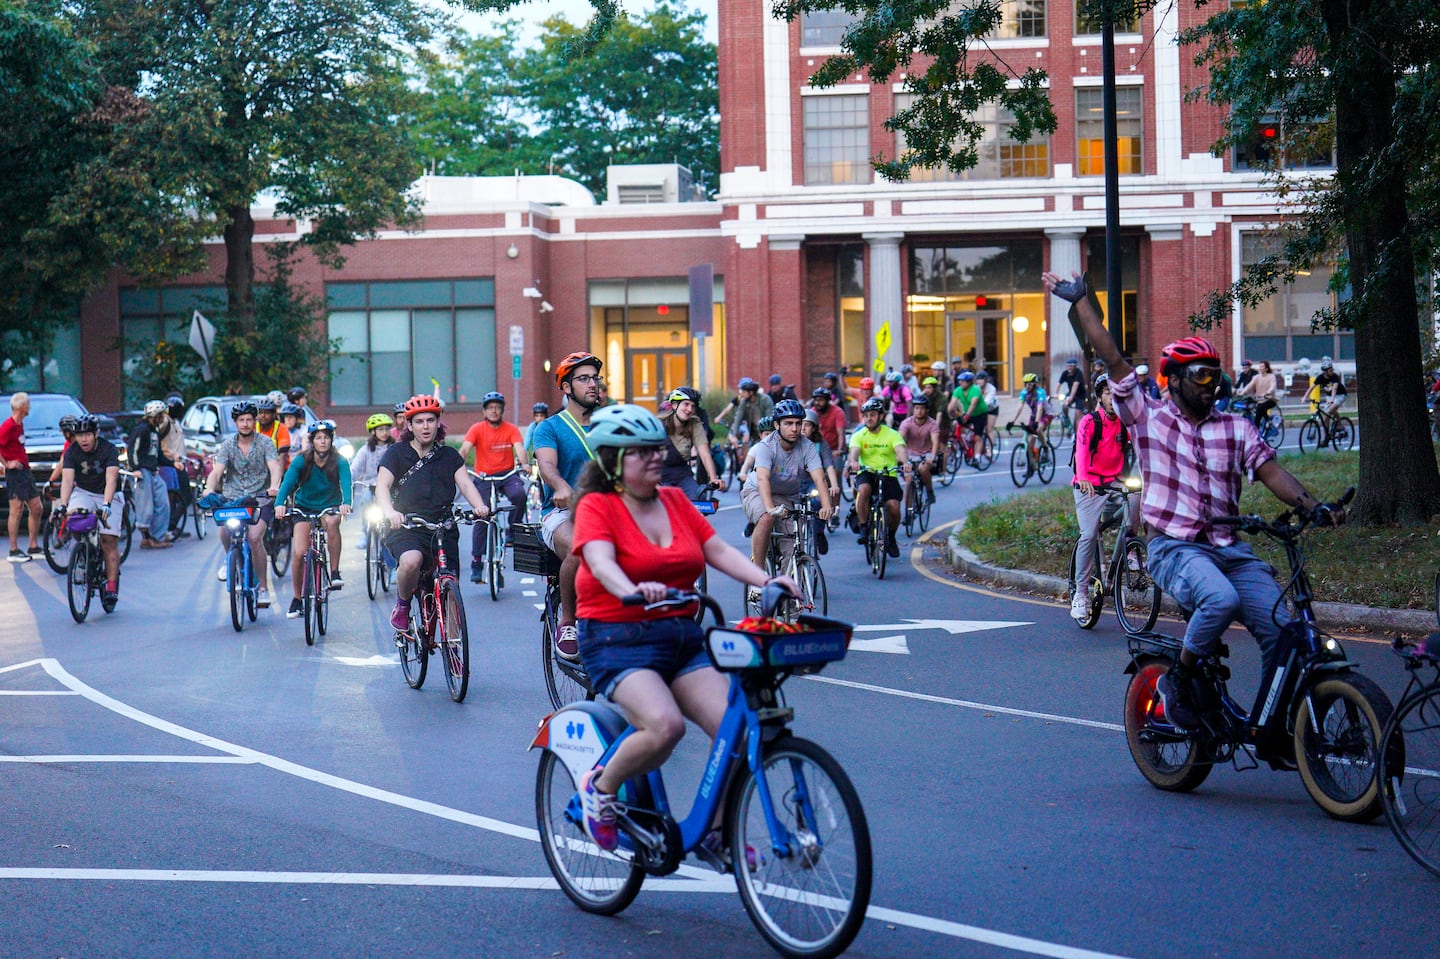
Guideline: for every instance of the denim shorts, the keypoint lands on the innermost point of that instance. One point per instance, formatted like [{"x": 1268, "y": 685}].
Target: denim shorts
[{"x": 671, "y": 646}]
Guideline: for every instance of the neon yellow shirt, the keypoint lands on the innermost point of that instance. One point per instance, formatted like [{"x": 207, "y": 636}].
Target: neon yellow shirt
[{"x": 877, "y": 449}]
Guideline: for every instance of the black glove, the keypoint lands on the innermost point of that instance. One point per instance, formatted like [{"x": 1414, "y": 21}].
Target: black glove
[
  {"x": 1072, "y": 291},
  {"x": 1328, "y": 514}
]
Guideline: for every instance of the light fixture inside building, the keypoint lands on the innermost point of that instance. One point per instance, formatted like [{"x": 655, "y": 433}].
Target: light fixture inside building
[
  {"x": 512, "y": 251},
  {"x": 1020, "y": 324},
  {"x": 547, "y": 366}
]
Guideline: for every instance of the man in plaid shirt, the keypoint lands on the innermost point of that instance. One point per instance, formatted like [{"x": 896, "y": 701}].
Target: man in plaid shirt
[{"x": 1193, "y": 460}]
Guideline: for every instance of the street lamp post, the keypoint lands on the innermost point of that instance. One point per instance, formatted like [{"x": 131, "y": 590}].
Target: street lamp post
[{"x": 1112, "y": 170}]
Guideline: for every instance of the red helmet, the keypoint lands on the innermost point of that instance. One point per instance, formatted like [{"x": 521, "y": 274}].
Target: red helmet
[
  {"x": 421, "y": 404},
  {"x": 1185, "y": 351},
  {"x": 867, "y": 383},
  {"x": 568, "y": 365}
]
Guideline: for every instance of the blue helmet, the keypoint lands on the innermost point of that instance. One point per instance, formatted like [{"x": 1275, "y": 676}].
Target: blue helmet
[
  {"x": 493, "y": 397},
  {"x": 966, "y": 377},
  {"x": 788, "y": 409}
]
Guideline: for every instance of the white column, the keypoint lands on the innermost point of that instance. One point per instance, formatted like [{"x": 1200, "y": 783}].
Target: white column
[
  {"x": 779, "y": 169},
  {"x": 1065, "y": 259},
  {"x": 1169, "y": 149},
  {"x": 882, "y": 300}
]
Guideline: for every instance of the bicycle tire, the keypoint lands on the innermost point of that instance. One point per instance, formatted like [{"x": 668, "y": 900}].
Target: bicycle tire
[
  {"x": 1019, "y": 465},
  {"x": 1169, "y": 764},
  {"x": 309, "y": 602},
  {"x": 562, "y": 679},
  {"x": 372, "y": 563},
  {"x": 1343, "y": 437},
  {"x": 1046, "y": 467},
  {"x": 810, "y": 903},
  {"x": 252, "y": 595},
  {"x": 202, "y": 525},
  {"x": 986, "y": 459},
  {"x": 1340, "y": 760},
  {"x": 953, "y": 456},
  {"x": 58, "y": 545},
  {"x": 1412, "y": 799},
  {"x": 279, "y": 550},
  {"x": 923, "y": 515},
  {"x": 414, "y": 659},
  {"x": 454, "y": 639},
  {"x": 907, "y": 507},
  {"x": 234, "y": 570},
  {"x": 1134, "y": 586},
  {"x": 127, "y": 529},
  {"x": 1274, "y": 429},
  {"x": 814, "y": 597},
  {"x": 880, "y": 536},
  {"x": 494, "y": 558},
  {"x": 77, "y": 582},
  {"x": 599, "y": 882},
  {"x": 1311, "y": 433},
  {"x": 322, "y": 593},
  {"x": 1092, "y": 608}
]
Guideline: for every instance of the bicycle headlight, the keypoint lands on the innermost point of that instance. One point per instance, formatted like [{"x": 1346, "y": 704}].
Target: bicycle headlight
[
  {"x": 233, "y": 525},
  {"x": 374, "y": 514},
  {"x": 1132, "y": 483}
]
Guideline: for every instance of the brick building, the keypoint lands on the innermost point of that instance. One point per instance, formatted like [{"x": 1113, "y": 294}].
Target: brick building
[{"x": 817, "y": 263}]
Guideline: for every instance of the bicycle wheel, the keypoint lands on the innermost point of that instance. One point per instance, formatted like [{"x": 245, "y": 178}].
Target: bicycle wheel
[
  {"x": 878, "y": 534},
  {"x": 252, "y": 595},
  {"x": 1093, "y": 592},
  {"x": 1134, "y": 587},
  {"x": 414, "y": 660},
  {"x": 235, "y": 570},
  {"x": 278, "y": 542},
  {"x": 597, "y": 881},
  {"x": 987, "y": 454},
  {"x": 494, "y": 558},
  {"x": 922, "y": 514},
  {"x": 1046, "y": 466},
  {"x": 814, "y": 598},
  {"x": 309, "y": 601},
  {"x": 59, "y": 546},
  {"x": 1311, "y": 434},
  {"x": 1273, "y": 431},
  {"x": 373, "y": 563},
  {"x": 809, "y": 899},
  {"x": 454, "y": 639},
  {"x": 1019, "y": 465},
  {"x": 77, "y": 582},
  {"x": 1411, "y": 796},
  {"x": 1170, "y": 762},
  {"x": 1343, "y": 436},
  {"x": 198, "y": 515},
  {"x": 127, "y": 528},
  {"x": 565, "y": 682},
  {"x": 953, "y": 456},
  {"x": 907, "y": 508},
  {"x": 1338, "y": 757},
  {"x": 322, "y": 593}
]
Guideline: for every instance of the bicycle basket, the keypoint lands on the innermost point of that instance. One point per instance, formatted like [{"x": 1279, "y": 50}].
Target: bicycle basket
[
  {"x": 804, "y": 648},
  {"x": 530, "y": 554},
  {"x": 81, "y": 523}
]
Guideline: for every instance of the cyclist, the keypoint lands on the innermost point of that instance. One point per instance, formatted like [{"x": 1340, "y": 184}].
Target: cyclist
[
  {"x": 745, "y": 411},
  {"x": 538, "y": 412},
  {"x": 177, "y": 478},
  {"x": 897, "y": 397},
  {"x": 1262, "y": 387},
  {"x": 293, "y": 419},
  {"x": 319, "y": 479},
  {"x": 782, "y": 460},
  {"x": 685, "y": 439},
  {"x": 67, "y": 430},
  {"x": 298, "y": 396},
  {"x": 1100, "y": 444},
  {"x": 398, "y": 414},
  {"x": 246, "y": 465},
  {"x": 1331, "y": 387},
  {"x": 942, "y": 377},
  {"x": 498, "y": 446},
  {"x": 421, "y": 475},
  {"x": 1071, "y": 391},
  {"x": 1193, "y": 461},
  {"x": 810, "y": 429},
  {"x": 19, "y": 481},
  {"x": 992, "y": 405},
  {"x": 1032, "y": 399},
  {"x": 767, "y": 426},
  {"x": 561, "y": 453},
  {"x": 830, "y": 420},
  {"x": 833, "y": 383},
  {"x": 1146, "y": 383},
  {"x": 90, "y": 479},
  {"x": 1247, "y": 373},
  {"x": 967, "y": 406},
  {"x": 922, "y": 438},
  {"x": 365, "y": 465},
  {"x": 877, "y": 452},
  {"x": 911, "y": 381},
  {"x": 861, "y": 393},
  {"x": 152, "y": 498},
  {"x": 268, "y": 426},
  {"x": 778, "y": 392},
  {"x": 636, "y": 536}
]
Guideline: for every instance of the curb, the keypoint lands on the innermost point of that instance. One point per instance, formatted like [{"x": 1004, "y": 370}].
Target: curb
[{"x": 1341, "y": 617}]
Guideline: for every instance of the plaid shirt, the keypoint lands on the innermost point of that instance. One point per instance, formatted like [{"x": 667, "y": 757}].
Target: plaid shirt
[{"x": 1192, "y": 471}]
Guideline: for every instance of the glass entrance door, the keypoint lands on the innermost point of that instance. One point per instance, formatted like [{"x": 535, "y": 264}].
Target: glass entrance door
[
  {"x": 654, "y": 373},
  {"x": 984, "y": 340}
]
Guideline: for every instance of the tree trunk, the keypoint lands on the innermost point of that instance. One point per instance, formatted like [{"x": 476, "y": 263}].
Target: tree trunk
[
  {"x": 1399, "y": 481},
  {"x": 240, "y": 269}
]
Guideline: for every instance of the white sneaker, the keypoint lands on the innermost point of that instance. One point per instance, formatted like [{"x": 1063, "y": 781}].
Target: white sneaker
[
  {"x": 220, "y": 573},
  {"x": 262, "y": 598},
  {"x": 1080, "y": 607}
]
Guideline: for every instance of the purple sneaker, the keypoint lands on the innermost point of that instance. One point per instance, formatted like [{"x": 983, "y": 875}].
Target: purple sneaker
[
  {"x": 400, "y": 618},
  {"x": 599, "y": 812}
]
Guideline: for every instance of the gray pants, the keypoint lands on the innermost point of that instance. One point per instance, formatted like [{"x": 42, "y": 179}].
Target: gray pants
[
  {"x": 1088, "y": 510},
  {"x": 1221, "y": 584}
]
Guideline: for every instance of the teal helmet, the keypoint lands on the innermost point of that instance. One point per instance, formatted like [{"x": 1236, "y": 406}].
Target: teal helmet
[{"x": 624, "y": 426}]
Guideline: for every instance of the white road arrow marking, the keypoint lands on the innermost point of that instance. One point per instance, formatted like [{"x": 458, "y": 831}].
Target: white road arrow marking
[
  {"x": 951, "y": 626},
  {"x": 885, "y": 644},
  {"x": 372, "y": 661}
]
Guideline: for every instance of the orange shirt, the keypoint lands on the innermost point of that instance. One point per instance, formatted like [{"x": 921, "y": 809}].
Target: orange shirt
[{"x": 494, "y": 445}]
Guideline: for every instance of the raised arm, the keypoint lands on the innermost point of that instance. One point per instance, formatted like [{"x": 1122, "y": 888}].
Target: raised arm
[{"x": 1076, "y": 291}]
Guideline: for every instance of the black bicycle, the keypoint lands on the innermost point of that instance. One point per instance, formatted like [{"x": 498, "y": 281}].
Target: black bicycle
[
  {"x": 1314, "y": 711},
  {"x": 1124, "y": 575},
  {"x": 86, "y": 575},
  {"x": 791, "y": 552},
  {"x": 565, "y": 680},
  {"x": 1325, "y": 428},
  {"x": 315, "y": 580},
  {"x": 1411, "y": 745}
]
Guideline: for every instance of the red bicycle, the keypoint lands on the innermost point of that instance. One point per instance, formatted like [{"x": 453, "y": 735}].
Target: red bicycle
[{"x": 440, "y": 626}]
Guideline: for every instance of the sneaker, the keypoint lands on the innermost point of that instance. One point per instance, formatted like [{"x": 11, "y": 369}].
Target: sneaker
[
  {"x": 567, "y": 644},
  {"x": 930, "y": 496},
  {"x": 1177, "y": 700},
  {"x": 477, "y": 573},
  {"x": 598, "y": 812},
  {"x": 335, "y": 581},
  {"x": 749, "y": 530},
  {"x": 400, "y": 615},
  {"x": 179, "y": 534},
  {"x": 296, "y": 608},
  {"x": 822, "y": 542},
  {"x": 109, "y": 596},
  {"x": 1080, "y": 607},
  {"x": 892, "y": 548},
  {"x": 262, "y": 598},
  {"x": 37, "y": 550},
  {"x": 220, "y": 573},
  {"x": 18, "y": 556},
  {"x": 864, "y": 532}
]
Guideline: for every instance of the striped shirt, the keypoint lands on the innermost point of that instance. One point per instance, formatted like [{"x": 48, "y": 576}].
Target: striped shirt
[{"x": 1192, "y": 471}]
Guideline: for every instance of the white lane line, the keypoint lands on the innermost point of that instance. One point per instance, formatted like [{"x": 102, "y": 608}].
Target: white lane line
[
  {"x": 38, "y": 692},
  {"x": 102, "y": 758},
  {"x": 528, "y": 592},
  {"x": 343, "y": 879},
  {"x": 18, "y": 666},
  {"x": 966, "y": 704}
]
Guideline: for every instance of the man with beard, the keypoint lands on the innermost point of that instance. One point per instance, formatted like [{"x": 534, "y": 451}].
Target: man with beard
[
  {"x": 1193, "y": 460},
  {"x": 247, "y": 465}
]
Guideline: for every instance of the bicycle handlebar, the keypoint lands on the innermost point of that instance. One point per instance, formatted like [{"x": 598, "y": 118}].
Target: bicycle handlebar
[
  {"x": 681, "y": 597},
  {"x": 1282, "y": 528},
  {"x": 296, "y": 512},
  {"x": 416, "y": 521}
]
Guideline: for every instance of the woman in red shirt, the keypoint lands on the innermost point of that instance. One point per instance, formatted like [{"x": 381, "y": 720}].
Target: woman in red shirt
[
  {"x": 636, "y": 536},
  {"x": 1099, "y": 459}
]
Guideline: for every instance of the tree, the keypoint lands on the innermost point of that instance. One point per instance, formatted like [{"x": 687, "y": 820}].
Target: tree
[
  {"x": 301, "y": 101},
  {"x": 1362, "y": 74}
]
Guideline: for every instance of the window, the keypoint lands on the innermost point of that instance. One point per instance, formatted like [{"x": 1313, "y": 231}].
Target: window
[
  {"x": 1090, "y": 130},
  {"x": 837, "y": 139},
  {"x": 396, "y": 337},
  {"x": 1021, "y": 18},
  {"x": 1128, "y": 336},
  {"x": 1303, "y": 146},
  {"x": 1088, "y": 19},
  {"x": 824, "y": 28},
  {"x": 1279, "y": 328},
  {"x": 1000, "y": 156},
  {"x": 150, "y": 317},
  {"x": 55, "y": 370}
]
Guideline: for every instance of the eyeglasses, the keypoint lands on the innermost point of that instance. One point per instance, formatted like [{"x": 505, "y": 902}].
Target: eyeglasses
[
  {"x": 1202, "y": 375},
  {"x": 645, "y": 452},
  {"x": 585, "y": 378}
]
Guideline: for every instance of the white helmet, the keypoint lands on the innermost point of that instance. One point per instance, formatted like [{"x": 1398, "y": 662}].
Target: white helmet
[
  {"x": 154, "y": 408},
  {"x": 277, "y": 397},
  {"x": 1142, "y": 370}
]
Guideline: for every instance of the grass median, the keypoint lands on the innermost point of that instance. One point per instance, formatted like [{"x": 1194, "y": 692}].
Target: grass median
[{"x": 1391, "y": 567}]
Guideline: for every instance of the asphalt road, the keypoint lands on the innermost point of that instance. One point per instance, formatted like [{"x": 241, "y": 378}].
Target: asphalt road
[{"x": 172, "y": 788}]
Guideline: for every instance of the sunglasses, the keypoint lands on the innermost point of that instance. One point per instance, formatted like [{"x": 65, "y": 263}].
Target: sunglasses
[{"x": 1202, "y": 375}]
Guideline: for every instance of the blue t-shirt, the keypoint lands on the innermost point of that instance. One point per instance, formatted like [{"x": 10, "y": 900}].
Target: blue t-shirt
[{"x": 558, "y": 433}]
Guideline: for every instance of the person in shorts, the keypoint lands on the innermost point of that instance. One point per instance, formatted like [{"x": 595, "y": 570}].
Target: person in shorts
[
  {"x": 90, "y": 480},
  {"x": 782, "y": 460},
  {"x": 19, "y": 482},
  {"x": 246, "y": 466}
]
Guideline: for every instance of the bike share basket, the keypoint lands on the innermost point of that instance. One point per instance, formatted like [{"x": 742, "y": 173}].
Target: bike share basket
[
  {"x": 530, "y": 554},
  {"x": 804, "y": 647}
]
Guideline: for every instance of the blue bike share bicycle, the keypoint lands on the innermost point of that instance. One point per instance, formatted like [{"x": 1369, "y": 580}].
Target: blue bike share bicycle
[
  {"x": 240, "y": 579},
  {"x": 792, "y": 830}
]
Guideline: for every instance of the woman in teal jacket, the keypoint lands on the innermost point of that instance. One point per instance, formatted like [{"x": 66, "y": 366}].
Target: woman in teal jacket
[{"x": 318, "y": 479}]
